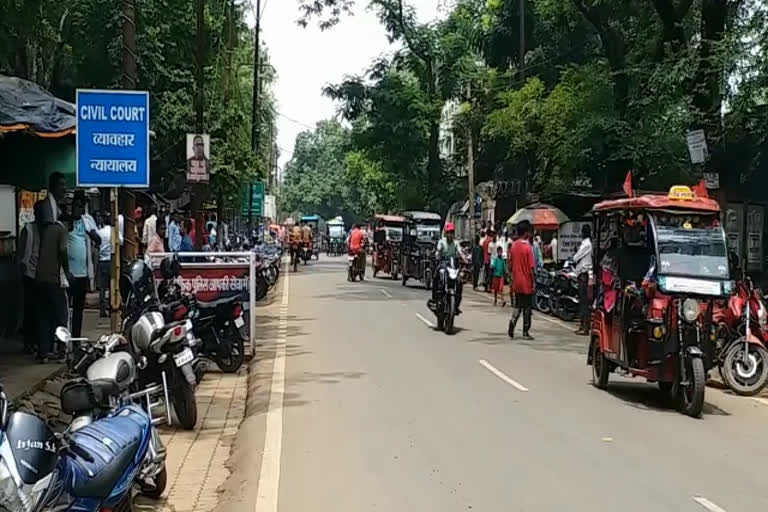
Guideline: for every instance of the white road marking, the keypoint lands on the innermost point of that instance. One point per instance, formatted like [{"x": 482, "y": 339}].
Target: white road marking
[
  {"x": 502, "y": 375},
  {"x": 385, "y": 292},
  {"x": 704, "y": 502},
  {"x": 425, "y": 320},
  {"x": 760, "y": 400},
  {"x": 269, "y": 477},
  {"x": 555, "y": 321}
]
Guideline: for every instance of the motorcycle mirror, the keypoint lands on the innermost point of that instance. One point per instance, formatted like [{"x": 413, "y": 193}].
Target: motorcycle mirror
[{"x": 63, "y": 335}]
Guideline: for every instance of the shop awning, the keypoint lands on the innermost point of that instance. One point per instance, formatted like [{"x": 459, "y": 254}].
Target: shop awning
[{"x": 25, "y": 106}]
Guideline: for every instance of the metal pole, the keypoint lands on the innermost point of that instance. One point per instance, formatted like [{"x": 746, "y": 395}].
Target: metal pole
[
  {"x": 470, "y": 171},
  {"x": 256, "y": 104}
]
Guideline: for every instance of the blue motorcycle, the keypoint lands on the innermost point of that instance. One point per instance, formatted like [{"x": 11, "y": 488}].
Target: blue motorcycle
[{"x": 86, "y": 471}]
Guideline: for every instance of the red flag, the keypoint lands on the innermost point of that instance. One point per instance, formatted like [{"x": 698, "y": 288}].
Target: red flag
[
  {"x": 700, "y": 189},
  {"x": 628, "y": 184}
]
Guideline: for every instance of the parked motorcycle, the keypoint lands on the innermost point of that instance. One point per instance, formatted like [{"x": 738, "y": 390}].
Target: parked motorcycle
[
  {"x": 90, "y": 470},
  {"x": 164, "y": 346},
  {"x": 564, "y": 294},
  {"x": 740, "y": 332},
  {"x": 542, "y": 298},
  {"x": 444, "y": 304},
  {"x": 215, "y": 324},
  {"x": 109, "y": 373}
]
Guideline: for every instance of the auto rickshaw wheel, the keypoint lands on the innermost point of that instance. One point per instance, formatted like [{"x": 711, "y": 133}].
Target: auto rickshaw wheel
[
  {"x": 601, "y": 369},
  {"x": 691, "y": 397}
]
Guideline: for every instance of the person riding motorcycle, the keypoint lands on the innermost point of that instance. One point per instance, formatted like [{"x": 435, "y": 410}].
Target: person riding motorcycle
[
  {"x": 447, "y": 248},
  {"x": 306, "y": 234},
  {"x": 294, "y": 238},
  {"x": 356, "y": 237}
]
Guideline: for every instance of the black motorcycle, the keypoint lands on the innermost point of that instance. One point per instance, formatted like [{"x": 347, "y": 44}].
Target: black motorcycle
[
  {"x": 217, "y": 324},
  {"x": 564, "y": 295},
  {"x": 445, "y": 302},
  {"x": 543, "y": 296},
  {"x": 166, "y": 361}
]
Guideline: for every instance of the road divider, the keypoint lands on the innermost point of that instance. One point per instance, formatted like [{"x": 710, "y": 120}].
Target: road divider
[{"x": 503, "y": 376}]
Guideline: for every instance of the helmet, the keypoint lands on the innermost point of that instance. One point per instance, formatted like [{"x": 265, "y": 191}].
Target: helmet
[
  {"x": 137, "y": 283},
  {"x": 143, "y": 331},
  {"x": 170, "y": 267},
  {"x": 449, "y": 227}
]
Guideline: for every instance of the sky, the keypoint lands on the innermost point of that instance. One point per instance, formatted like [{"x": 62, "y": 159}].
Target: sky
[{"x": 306, "y": 59}]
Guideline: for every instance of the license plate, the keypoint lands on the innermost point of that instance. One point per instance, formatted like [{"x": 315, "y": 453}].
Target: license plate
[
  {"x": 183, "y": 357},
  {"x": 239, "y": 322}
]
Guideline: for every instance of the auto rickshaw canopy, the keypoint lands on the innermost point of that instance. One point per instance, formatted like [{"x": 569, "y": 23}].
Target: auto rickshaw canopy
[
  {"x": 679, "y": 198},
  {"x": 390, "y": 218}
]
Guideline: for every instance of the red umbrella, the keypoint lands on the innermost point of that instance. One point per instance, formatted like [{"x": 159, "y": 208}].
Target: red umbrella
[{"x": 541, "y": 216}]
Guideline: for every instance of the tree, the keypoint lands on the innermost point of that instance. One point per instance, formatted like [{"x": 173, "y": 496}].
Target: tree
[{"x": 76, "y": 44}]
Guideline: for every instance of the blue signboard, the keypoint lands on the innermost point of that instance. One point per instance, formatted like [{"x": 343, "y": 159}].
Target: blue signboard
[{"x": 112, "y": 138}]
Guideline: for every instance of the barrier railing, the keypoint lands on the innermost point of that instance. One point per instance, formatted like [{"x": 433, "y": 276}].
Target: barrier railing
[{"x": 210, "y": 280}]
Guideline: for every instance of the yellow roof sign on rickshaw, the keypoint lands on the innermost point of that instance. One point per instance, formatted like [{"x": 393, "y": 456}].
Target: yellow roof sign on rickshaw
[{"x": 681, "y": 193}]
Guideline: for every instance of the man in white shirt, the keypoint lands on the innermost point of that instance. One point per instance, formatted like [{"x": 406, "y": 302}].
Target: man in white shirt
[
  {"x": 583, "y": 261},
  {"x": 104, "y": 271},
  {"x": 150, "y": 226},
  {"x": 553, "y": 246}
]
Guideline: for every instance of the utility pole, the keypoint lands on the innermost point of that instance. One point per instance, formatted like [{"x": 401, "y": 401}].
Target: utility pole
[
  {"x": 470, "y": 170},
  {"x": 198, "y": 190},
  {"x": 128, "y": 81},
  {"x": 255, "y": 132},
  {"x": 522, "y": 40}
]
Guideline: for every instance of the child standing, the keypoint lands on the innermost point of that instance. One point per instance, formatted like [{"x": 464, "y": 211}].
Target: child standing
[{"x": 499, "y": 266}]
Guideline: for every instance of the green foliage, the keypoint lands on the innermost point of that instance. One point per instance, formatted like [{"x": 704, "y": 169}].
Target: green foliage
[{"x": 78, "y": 44}]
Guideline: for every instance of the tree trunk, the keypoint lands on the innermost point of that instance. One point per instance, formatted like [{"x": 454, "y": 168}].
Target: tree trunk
[{"x": 708, "y": 86}]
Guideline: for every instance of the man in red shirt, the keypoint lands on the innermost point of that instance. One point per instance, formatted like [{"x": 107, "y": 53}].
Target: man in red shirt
[
  {"x": 522, "y": 279},
  {"x": 356, "y": 247},
  {"x": 490, "y": 241}
]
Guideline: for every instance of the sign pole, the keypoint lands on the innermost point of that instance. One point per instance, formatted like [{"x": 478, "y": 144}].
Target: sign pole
[{"x": 114, "y": 282}]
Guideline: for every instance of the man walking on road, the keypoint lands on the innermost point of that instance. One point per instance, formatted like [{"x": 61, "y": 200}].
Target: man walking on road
[
  {"x": 583, "y": 262},
  {"x": 522, "y": 280},
  {"x": 490, "y": 241},
  {"x": 477, "y": 260}
]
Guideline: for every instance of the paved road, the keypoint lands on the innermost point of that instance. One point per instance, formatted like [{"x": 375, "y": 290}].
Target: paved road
[{"x": 381, "y": 413}]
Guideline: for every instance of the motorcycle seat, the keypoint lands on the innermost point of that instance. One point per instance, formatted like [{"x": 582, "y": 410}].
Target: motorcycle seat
[
  {"x": 113, "y": 443},
  {"x": 219, "y": 302}
]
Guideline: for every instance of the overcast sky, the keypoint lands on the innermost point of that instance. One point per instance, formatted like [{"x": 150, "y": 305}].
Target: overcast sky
[{"x": 306, "y": 59}]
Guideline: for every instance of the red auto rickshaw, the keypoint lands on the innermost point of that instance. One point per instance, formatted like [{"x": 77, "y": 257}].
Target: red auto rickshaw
[
  {"x": 387, "y": 241},
  {"x": 660, "y": 262}
]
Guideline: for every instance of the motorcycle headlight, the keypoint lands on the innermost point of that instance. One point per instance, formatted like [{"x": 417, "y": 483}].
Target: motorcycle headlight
[
  {"x": 762, "y": 314},
  {"x": 691, "y": 310},
  {"x": 453, "y": 273}
]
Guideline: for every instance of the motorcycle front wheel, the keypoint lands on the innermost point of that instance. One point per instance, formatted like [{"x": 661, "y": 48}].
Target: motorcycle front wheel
[
  {"x": 184, "y": 404},
  {"x": 450, "y": 315},
  {"x": 541, "y": 302},
  {"x": 156, "y": 490},
  {"x": 745, "y": 378}
]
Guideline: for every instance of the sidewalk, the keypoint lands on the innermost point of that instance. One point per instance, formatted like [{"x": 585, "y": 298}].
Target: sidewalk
[{"x": 21, "y": 375}]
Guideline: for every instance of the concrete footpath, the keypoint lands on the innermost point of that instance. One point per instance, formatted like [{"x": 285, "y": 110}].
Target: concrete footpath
[{"x": 197, "y": 461}]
